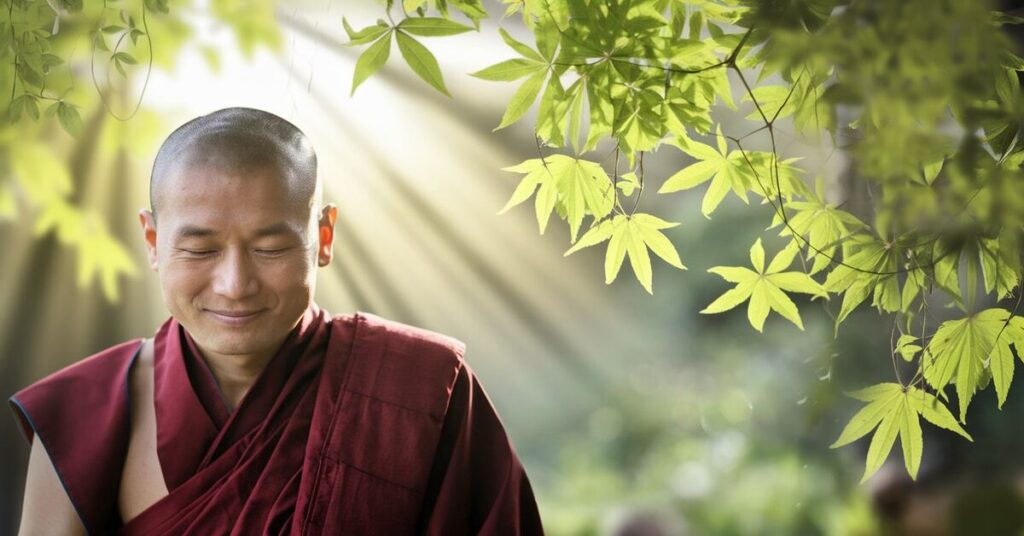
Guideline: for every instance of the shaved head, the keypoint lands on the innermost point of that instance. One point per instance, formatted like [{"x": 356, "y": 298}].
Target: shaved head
[
  {"x": 238, "y": 140},
  {"x": 241, "y": 230}
]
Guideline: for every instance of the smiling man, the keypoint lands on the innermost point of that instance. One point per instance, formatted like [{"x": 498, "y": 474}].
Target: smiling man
[{"x": 252, "y": 410}]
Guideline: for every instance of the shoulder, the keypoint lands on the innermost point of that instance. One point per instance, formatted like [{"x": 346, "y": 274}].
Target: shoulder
[
  {"x": 405, "y": 338},
  {"x": 94, "y": 369},
  {"x": 78, "y": 417},
  {"x": 399, "y": 363},
  {"x": 86, "y": 382}
]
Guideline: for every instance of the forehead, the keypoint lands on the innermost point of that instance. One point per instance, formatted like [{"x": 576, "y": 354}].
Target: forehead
[{"x": 249, "y": 197}]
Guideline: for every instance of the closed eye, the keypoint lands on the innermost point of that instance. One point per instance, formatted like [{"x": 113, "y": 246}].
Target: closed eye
[{"x": 197, "y": 252}]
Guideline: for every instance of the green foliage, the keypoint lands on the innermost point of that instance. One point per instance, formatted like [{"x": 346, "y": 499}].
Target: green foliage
[
  {"x": 421, "y": 61},
  {"x": 416, "y": 56},
  {"x": 922, "y": 97},
  {"x": 730, "y": 170},
  {"x": 532, "y": 65},
  {"x": 253, "y": 22},
  {"x": 892, "y": 411},
  {"x": 967, "y": 350},
  {"x": 822, "y": 225},
  {"x": 577, "y": 187},
  {"x": 44, "y": 71},
  {"x": 46, "y": 183},
  {"x": 631, "y": 234},
  {"x": 765, "y": 288},
  {"x": 375, "y": 57}
]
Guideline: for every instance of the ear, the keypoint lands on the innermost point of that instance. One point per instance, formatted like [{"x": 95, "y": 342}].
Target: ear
[
  {"x": 328, "y": 216},
  {"x": 148, "y": 221}
]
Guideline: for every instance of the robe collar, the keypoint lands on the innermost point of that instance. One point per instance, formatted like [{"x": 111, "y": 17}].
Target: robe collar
[{"x": 193, "y": 422}]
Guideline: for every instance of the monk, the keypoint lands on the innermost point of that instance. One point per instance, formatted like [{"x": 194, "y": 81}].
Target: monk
[{"x": 252, "y": 410}]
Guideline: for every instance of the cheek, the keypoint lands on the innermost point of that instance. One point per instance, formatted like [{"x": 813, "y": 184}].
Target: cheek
[
  {"x": 286, "y": 274},
  {"x": 182, "y": 279}
]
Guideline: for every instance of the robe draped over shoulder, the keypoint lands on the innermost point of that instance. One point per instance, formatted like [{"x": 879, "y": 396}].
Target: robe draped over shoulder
[{"x": 358, "y": 425}]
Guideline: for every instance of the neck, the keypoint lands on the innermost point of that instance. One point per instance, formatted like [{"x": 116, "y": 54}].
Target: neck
[{"x": 235, "y": 374}]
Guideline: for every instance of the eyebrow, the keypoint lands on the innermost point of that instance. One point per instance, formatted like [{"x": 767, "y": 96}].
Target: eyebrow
[
  {"x": 279, "y": 228},
  {"x": 193, "y": 231}
]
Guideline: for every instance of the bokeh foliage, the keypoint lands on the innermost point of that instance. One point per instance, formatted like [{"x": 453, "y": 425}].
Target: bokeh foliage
[{"x": 50, "y": 84}]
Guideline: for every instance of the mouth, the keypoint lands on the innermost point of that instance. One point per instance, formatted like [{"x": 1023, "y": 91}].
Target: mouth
[{"x": 234, "y": 318}]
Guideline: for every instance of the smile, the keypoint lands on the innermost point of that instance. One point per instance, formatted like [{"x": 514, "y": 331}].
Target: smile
[{"x": 234, "y": 318}]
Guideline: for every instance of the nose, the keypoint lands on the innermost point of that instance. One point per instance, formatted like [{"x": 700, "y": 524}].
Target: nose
[{"x": 235, "y": 276}]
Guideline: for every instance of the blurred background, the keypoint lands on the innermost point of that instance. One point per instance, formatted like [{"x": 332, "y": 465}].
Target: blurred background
[{"x": 633, "y": 414}]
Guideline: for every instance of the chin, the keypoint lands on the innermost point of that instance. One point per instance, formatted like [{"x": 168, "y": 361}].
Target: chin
[{"x": 234, "y": 343}]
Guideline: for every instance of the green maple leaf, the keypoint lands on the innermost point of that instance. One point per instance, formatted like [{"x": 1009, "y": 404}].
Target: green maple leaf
[
  {"x": 999, "y": 265},
  {"x": 631, "y": 235},
  {"x": 869, "y": 265},
  {"x": 532, "y": 65},
  {"x": 823, "y": 225},
  {"x": 961, "y": 349},
  {"x": 804, "y": 99},
  {"x": 1000, "y": 361},
  {"x": 637, "y": 123},
  {"x": 686, "y": 107},
  {"x": 726, "y": 170},
  {"x": 578, "y": 186},
  {"x": 714, "y": 81},
  {"x": 736, "y": 170},
  {"x": 895, "y": 410},
  {"x": 907, "y": 348},
  {"x": 628, "y": 182},
  {"x": 765, "y": 287}
]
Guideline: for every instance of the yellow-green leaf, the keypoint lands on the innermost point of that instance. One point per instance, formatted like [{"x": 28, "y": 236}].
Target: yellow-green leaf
[
  {"x": 370, "y": 33},
  {"x": 421, "y": 61},
  {"x": 911, "y": 439},
  {"x": 579, "y": 187},
  {"x": 432, "y": 26},
  {"x": 934, "y": 411},
  {"x": 371, "y": 60},
  {"x": 509, "y": 70},
  {"x": 885, "y": 436},
  {"x": 757, "y": 256},
  {"x": 765, "y": 291},
  {"x": 522, "y": 99},
  {"x": 895, "y": 410},
  {"x": 1001, "y": 359},
  {"x": 633, "y": 236},
  {"x": 960, "y": 348},
  {"x": 521, "y": 48}
]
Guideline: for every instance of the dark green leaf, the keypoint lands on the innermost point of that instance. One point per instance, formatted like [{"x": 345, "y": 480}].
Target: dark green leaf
[
  {"x": 69, "y": 118},
  {"x": 124, "y": 57}
]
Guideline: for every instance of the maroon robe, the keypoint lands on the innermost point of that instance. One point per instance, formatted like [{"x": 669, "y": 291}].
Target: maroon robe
[{"x": 358, "y": 425}]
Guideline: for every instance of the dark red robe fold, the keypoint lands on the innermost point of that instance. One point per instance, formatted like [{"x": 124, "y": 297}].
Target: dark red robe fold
[{"x": 358, "y": 425}]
